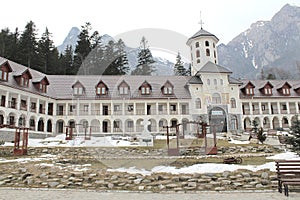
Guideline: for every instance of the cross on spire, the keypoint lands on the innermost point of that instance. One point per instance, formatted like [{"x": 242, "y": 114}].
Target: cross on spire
[{"x": 201, "y": 22}]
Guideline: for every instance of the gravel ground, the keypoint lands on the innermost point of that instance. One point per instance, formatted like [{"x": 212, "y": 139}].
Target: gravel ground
[{"x": 42, "y": 194}]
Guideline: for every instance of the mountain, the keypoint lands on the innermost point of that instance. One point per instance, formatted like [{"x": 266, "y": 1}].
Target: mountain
[
  {"x": 71, "y": 39},
  {"x": 163, "y": 66},
  {"x": 266, "y": 47}
]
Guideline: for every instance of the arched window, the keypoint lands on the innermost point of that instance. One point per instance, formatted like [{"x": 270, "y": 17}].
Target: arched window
[
  {"x": 208, "y": 82},
  {"x": 197, "y": 54},
  {"x": 197, "y": 44},
  {"x": 233, "y": 103},
  {"x": 207, "y": 52},
  {"x": 207, "y": 43},
  {"x": 216, "y": 98},
  {"x": 214, "y": 45},
  {"x": 215, "y": 81},
  {"x": 215, "y": 55},
  {"x": 198, "y": 103}
]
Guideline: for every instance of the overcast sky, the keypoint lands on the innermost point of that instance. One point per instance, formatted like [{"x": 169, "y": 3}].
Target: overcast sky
[{"x": 224, "y": 18}]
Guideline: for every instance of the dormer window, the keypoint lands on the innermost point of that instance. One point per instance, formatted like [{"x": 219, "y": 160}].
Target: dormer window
[
  {"x": 286, "y": 91},
  {"x": 41, "y": 84},
  {"x": 123, "y": 88},
  {"x": 268, "y": 91},
  {"x": 101, "y": 88},
  {"x": 167, "y": 88},
  {"x": 78, "y": 89},
  {"x": 24, "y": 81},
  {"x": 249, "y": 91},
  {"x": 145, "y": 88},
  {"x": 4, "y": 70},
  {"x": 23, "y": 78}
]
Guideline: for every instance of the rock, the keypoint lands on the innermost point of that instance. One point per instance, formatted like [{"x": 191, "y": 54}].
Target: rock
[
  {"x": 141, "y": 187},
  {"x": 53, "y": 184},
  {"x": 245, "y": 175},
  {"x": 171, "y": 185},
  {"x": 225, "y": 174},
  {"x": 192, "y": 184},
  {"x": 264, "y": 175},
  {"x": 110, "y": 185},
  {"x": 2, "y": 183},
  {"x": 184, "y": 178},
  {"x": 219, "y": 188},
  {"x": 60, "y": 186},
  {"x": 137, "y": 181},
  {"x": 259, "y": 186},
  {"x": 161, "y": 187},
  {"x": 265, "y": 182}
]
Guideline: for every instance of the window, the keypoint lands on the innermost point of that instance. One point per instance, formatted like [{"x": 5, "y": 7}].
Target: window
[
  {"x": 116, "y": 124},
  {"x": 86, "y": 108},
  {"x": 268, "y": 91},
  {"x": 207, "y": 52},
  {"x": 285, "y": 121},
  {"x": 249, "y": 91},
  {"x": 123, "y": 90},
  {"x": 77, "y": 90},
  {"x": 197, "y": 44},
  {"x": 285, "y": 91},
  {"x": 233, "y": 103},
  {"x": 173, "y": 123},
  {"x": 130, "y": 108},
  {"x": 263, "y": 107},
  {"x": 168, "y": 90},
  {"x": 3, "y": 75},
  {"x": 216, "y": 98},
  {"x": 284, "y": 107},
  {"x": 101, "y": 89},
  {"x": 215, "y": 55},
  {"x": 160, "y": 108},
  {"x": 221, "y": 81},
  {"x": 23, "y": 103},
  {"x": 207, "y": 43},
  {"x": 43, "y": 88},
  {"x": 208, "y": 82},
  {"x": 117, "y": 108},
  {"x": 198, "y": 60},
  {"x": 24, "y": 82},
  {"x": 215, "y": 81},
  {"x": 72, "y": 108},
  {"x": 173, "y": 107},
  {"x": 145, "y": 90},
  {"x": 198, "y": 103},
  {"x": 197, "y": 54},
  {"x": 130, "y": 124}
]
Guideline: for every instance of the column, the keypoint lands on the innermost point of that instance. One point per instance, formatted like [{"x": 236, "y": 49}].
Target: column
[
  {"x": 269, "y": 108},
  {"x": 28, "y": 104},
  {"x": 18, "y": 101},
  {"x": 250, "y": 108},
  {"x": 54, "y": 110},
  {"x": 178, "y": 109},
  {"x": 37, "y": 106},
  {"x": 6, "y": 99},
  {"x": 156, "y": 106},
  {"x": 279, "y": 109},
  {"x": 145, "y": 108},
  {"x": 123, "y": 109},
  {"x": 67, "y": 109},
  {"x": 168, "y": 108},
  {"x": 297, "y": 107},
  {"x": 90, "y": 109},
  {"x": 78, "y": 108},
  {"x": 288, "y": 108},
  {"x": 46, "y": 107},
  {"x": 134, "y": 110},
  {"x": 259, "y": 108}
]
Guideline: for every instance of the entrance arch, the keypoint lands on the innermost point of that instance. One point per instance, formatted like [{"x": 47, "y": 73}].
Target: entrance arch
[{"x": 217, "y": 117}]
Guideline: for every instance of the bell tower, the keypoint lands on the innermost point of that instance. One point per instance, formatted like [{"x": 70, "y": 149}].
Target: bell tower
[{"x": 203, "y": 48}]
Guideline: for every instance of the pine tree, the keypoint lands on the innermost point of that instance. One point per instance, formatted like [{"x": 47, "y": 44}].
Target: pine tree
[
  {"x": 28, "y": 46},
  {"x": 145, "y": 60},
  {"x": 67, "y": 60},
  {"x": 45, "y": 49},
  {"x": 116, "y": 58},
  {"x": 179, "y": 69},
  {"x": 295, "y": 140}
]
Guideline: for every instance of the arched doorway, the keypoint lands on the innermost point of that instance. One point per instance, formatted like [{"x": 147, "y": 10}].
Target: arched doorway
[
  {"x": 217, "y": 117},
  {"x": 49, "y": 126},
  {"x": 41, "y": 124}
]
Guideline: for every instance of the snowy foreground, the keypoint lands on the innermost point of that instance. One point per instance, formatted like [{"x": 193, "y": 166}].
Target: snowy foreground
[{"x": 59, "y": 141}]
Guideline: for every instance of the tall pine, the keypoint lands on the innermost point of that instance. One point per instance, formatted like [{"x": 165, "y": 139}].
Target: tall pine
[
  {"x": 295, "y": 140},
  {"x": 28, "y": 46},
  {"x": 145, "y": 60},
  {"x": 179, "y": 69}
]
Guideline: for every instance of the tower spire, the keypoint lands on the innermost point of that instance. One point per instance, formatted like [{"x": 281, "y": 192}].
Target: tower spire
[{"x": 201, "y": 22}]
